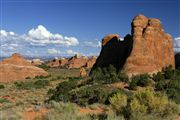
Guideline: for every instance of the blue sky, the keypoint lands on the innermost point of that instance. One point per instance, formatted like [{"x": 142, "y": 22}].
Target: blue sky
[{"x": 81, "y": 24}]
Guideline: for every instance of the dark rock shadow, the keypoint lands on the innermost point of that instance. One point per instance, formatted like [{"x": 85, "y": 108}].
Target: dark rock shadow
[
  {"x": 177, "y": 60},
  {"x": 115, "y": 53}
]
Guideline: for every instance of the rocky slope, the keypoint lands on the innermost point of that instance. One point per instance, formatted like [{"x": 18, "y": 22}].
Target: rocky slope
[{"x": 17, "y": 68}]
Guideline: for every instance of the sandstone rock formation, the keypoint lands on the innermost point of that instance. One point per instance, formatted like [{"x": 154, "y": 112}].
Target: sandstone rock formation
[
  {"x": 152, "y": 47},
  {"x": 16, "y": 59},
  {"x": 37, "y": 62},
  {"x": 82, "y": 72},
  {"x": 91, "y": 61},
  {"x": 114, "y": 52},
  {"x": 17, "y": 68},
  {"x": 76, "y": 62},
  {"x": 58, "y": 62},
  {"x": 148, "y": 49}
]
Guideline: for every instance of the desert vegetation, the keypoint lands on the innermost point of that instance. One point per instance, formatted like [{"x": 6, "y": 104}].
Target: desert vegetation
[
  {"x": 146, "y": 97},
  {"x": 105, "y": 95}
]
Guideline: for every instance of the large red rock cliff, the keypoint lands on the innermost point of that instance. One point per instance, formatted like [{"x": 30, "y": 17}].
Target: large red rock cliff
[{"x": 147, "y": 50}]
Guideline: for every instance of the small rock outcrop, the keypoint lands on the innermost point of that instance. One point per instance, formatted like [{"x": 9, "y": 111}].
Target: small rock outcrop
[
  {"x": 147, "y": 50},
  {"x": 58, "y": 62},
  {"x": 91, "y": 61},
  {"x": 37, "y": 62},
  {"x": 18, "y": 68},
  {"x": 82, "y": 72},
  {"x": 76, "y": 61}
]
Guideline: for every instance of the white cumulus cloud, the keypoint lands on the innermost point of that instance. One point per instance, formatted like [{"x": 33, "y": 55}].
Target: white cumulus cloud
[
  {"x": 42, "y": 36},
  {"x": 4, "y": 33},
  {"x": 177, "y": 44},
  {"x": 96, "y": 44},
  {"x": 53, "y": 51},
  {"x": 35, "y": 37}
]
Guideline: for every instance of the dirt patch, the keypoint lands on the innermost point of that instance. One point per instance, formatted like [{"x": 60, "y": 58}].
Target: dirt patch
[
  {"x": 85, "y": 111},
  {"x": 30, "y": 114}
]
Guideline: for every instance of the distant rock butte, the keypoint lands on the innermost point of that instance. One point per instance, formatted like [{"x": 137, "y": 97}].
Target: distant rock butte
[
  {"x": 57, "y": 62},
  {"x": 147, "y": 50},
  {"x": 76, "y": 61},
  {"x": 17, "y": 68},
  {"x": 36, "y": 62}
]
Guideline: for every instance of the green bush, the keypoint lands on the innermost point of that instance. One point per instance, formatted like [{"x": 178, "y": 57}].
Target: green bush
[
  {"x": 61, "y": 92},
  {"x": 3, "y": 100},
  {"x": 44, "y": 66},
  {"x": 63, "y": 111},
  {"x": 118, "y": 101},
  {"x": 157, "y": 103},
  {"x": 89, "y": 95},
  {"x": 135, "y": 107},
  {"x": 2, "y": 87},
  {"x": 142, "y": 80},
  {"x": 123, "y": 77},
  {"x": 41, "y": 83},
  {"x": 26, "y": 85},
  {"x": 108, "y": 75},
  {"x": 75, "y": 78},
  {"x": 42, "y": 77},
  {"x": 168, "y": 81},
  {"x": 144, "y": 104}
]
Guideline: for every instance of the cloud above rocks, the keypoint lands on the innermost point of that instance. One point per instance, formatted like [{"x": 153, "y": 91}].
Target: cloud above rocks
[
  {"x": 41, "y": 35},
  {"x": 53, "y": 51},
  {"x": 36, "y": 37},
  {"x": 177, "y": 44},
  {"x": 96, "y": 44}
]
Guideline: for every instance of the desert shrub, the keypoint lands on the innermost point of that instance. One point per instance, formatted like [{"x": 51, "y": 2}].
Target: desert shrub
[
  {"x": 169, "y": 73},
  {"x": 156, "y": 104},
  {"x": 142, "y": 80},
  {"x": 41, "y": 83},
  {"x": 26, "y": 85},
  {"x": 63, "y": 111},
  {"x": 108, "y": 75},
  {"x": 90, "y": 94},
  {"x": 118, "y": 101},
  {"x": 69, "y": 91},
  {"x": 75, "y": 78},
  {"x": 42, "y": 77},
  {"x": 135, "y": 107},
  {"x": 123, "y": 77},
  {"x": 44, "y": 66},
  {"x": 3, "y": 100},
  {"x": 168, "y": 81},
  {"x": 144, "y": 104},
  {"x": 2, "y": 86},
  {"x": 61, "y": 92},
  {"x": 10, "y": 114}
]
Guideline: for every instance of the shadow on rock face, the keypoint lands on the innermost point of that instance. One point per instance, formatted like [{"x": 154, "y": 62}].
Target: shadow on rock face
[
  {"x": 177, "y": 60},
  {"x": 114, "y": 52}
]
